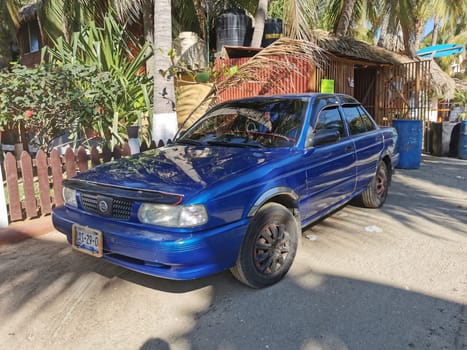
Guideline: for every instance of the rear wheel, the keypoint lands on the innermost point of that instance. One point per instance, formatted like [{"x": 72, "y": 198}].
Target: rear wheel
[
  {"x": 269, "y": 247},
  {"x": 376, "y": 193}
]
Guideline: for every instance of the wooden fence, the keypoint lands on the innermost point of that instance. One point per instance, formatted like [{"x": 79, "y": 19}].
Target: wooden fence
[{"x": 34, "y": 186}]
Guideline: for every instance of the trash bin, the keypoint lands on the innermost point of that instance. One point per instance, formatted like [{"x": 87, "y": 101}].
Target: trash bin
[
  {"x": 462, "y": 146},
  {"x": 409, "y": 143},
  {"x": 444, "y": 138}
]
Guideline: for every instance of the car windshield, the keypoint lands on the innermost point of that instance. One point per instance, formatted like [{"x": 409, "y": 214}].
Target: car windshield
[{"x": 271, "y": 123}]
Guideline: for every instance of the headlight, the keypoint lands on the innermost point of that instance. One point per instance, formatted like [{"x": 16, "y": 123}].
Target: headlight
[
  {"x": 172, "y": 216},
  {"x": 69, "y": 196}
]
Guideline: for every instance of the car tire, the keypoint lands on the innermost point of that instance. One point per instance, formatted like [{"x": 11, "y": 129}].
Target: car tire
[
  {"x": 269, "y": 247},
  {"x": 376, "y": 193}
]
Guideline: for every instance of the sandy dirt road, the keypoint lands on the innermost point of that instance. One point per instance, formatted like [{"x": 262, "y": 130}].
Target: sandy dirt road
[{"x": 394, "y": 278}]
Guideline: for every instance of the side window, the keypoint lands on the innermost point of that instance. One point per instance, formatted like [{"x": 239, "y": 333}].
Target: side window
[
  {"x": 330, "y": 119},
  {"x": 354, "y": 119},
  {"x": 328, "y": 128},
  {"x": 369, "y": 124}
]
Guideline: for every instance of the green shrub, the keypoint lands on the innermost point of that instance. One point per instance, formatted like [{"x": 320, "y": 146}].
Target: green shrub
[
  {"x": 95, "y": 82},
  {"x": 460, "y": 97},
  {"x": 110, "y": 50},
  {"x": 48, "y": 100}
]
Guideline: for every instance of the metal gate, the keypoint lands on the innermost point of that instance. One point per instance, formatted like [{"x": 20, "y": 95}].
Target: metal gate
[{"x": 406, "y": 92}]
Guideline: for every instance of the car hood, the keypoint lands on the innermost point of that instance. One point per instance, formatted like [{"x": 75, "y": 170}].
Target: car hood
[{"x": 183, "y": 170}]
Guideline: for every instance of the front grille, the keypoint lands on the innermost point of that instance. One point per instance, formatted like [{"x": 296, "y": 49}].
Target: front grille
[{"x": 121, "y": 208}]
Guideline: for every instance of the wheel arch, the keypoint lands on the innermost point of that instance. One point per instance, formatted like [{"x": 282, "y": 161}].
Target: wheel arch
[
  {"x": 281, "y": 195},
  {"x": 387, "y": 160}
]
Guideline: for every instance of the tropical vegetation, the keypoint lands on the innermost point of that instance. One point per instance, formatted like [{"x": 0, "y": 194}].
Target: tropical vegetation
[
  {"x": 104, "y": 87},
  {"x": 398, "y": 25},
  {"x": 45, "y": 101},
  {"x": 109, "y": 49}
]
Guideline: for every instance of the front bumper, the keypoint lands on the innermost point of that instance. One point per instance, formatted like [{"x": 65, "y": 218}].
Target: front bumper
[{"x": 173, "y": 254}]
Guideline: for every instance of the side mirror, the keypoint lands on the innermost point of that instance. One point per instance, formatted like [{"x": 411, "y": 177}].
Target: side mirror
[{"x": 324, "y": 137}]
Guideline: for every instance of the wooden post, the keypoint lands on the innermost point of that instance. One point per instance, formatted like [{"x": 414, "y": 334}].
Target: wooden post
[
  {"x": 11, "y": 173},
  {"x": 3, "y": 212},
  {"x": 30, "y": 202}
]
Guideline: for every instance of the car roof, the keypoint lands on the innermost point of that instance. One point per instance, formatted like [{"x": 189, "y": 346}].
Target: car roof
[{"x": 340, "y": 98}]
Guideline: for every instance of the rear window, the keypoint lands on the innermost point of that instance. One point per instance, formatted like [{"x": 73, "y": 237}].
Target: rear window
[{"x": 358, "y": 120}]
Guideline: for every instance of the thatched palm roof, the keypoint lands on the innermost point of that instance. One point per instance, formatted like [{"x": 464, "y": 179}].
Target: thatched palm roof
[
  {"x": 325, "y": 44},
  {"x": 441, "y": 83},
  {"x": 461, "y": 85},
  {"x": 359, "y": 50}
]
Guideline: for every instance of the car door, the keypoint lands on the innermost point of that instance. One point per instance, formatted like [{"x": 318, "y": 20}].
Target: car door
[
  {"x": 368, "y": 143},
  {"x": 330, "y": 165}
]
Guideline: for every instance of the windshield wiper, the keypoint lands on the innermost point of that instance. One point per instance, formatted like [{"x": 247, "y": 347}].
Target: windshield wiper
[
  {"x": 189, "y": 142},
  {"x": 233, "y": 144}
]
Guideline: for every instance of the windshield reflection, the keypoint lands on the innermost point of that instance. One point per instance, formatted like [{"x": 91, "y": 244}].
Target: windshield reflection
[{"x": 271, "y": 123}]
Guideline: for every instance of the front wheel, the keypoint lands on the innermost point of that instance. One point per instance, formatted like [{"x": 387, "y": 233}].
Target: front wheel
[
  {"x": 376, "y": 193},
  {"x": 269, "y": 247}
]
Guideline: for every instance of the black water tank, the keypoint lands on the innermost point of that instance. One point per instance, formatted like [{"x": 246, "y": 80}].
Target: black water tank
[
  {"x": 272, "y": 31},
  {"x": 233, "y": 29}
]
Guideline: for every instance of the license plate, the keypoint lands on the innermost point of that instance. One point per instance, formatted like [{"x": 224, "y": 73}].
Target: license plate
[{"x": 87, "y": 240}]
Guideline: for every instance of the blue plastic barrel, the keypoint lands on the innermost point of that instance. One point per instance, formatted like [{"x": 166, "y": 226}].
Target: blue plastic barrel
[
  {"x": 462, "y": 149},
  {"x": 409, "y": 143}
]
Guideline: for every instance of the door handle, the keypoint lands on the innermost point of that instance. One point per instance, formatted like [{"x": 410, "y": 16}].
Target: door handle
[{"x": 348, "y": 148}]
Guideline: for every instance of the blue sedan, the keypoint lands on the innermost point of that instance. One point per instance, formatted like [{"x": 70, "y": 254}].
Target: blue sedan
[{"x": 233, "y": 191}]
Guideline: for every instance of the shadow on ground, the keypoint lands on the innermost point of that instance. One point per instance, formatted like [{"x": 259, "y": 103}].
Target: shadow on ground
[
  {"x": 307, "y": 310},
  {"x": 52, "y": 297}
]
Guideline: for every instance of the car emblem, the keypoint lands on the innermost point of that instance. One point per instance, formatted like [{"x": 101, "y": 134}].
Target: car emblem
[{"x": 104, "y": 205}]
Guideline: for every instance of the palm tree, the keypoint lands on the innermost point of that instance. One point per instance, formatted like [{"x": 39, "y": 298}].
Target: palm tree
[
  {"x": 390, "y": 36},
  {"x": 449, "y": 17},
  {"x": 259, "y": 23},
  {"x": 407, "y": 18},
  {"x": 164, "y": 92},
  {"x": 72, "y": 13},
  {"x": 9, "y": 25},
  {"x": 299, "y": 18},
  {"x": 6, "y": 32},
  {"x": 343, "y": 23}
]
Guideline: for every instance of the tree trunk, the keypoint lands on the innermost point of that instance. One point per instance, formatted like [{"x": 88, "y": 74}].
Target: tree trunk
[
  {"x": 390, "y": 37},
  {"x": 417, "y": 32},
  {"x": 434, "y": 34},
  {"x": 148, "y": 23},
  {"x": 409, "y": 42},
  {"x": 342, "y": 26},
  {"x": 164, "y": 93},
  {"x": 164, "y": 89},
  {"x": 384, "y": 27},
  {"x": 260, "y": 17},
  {"x": 200, "y": 14}
]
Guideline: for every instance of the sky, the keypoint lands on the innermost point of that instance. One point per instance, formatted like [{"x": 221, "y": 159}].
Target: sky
[{"x": 428, "y": 28}]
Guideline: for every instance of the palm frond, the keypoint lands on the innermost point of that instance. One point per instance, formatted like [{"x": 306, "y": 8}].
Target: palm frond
[
  {"x": 129, "y": 10},
  {"x": 12, "y": 7},
  {"x": 282, "y": 56}
]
